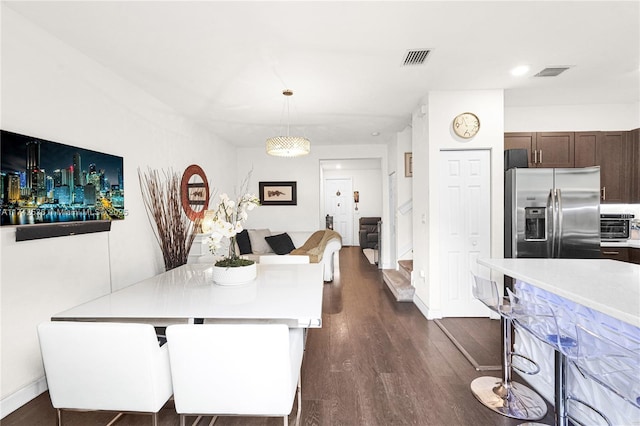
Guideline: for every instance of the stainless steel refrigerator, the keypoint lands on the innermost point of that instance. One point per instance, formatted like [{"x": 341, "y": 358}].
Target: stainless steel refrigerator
[{"x": 552, "y": 213}]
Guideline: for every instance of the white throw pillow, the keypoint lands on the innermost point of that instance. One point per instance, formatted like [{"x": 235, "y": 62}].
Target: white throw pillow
[{"x": 258, "y": 244}]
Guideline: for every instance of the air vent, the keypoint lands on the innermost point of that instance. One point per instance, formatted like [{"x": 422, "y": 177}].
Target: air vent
[
  {"x": 415, "y": 57},
  {"x": 552, "y": 72}
]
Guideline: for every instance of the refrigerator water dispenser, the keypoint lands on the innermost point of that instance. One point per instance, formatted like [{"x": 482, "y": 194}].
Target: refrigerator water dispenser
[{"x": 535, "y": 223}]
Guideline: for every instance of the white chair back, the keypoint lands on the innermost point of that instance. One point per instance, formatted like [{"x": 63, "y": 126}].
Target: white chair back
[
  {"x": 235, "y": 369},
  {"x": 285, "y": 259},
  {"x": 105, "y": 366}
]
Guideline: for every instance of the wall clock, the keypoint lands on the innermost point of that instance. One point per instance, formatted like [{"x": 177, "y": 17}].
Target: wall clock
[{"x": 466, "y": 125}]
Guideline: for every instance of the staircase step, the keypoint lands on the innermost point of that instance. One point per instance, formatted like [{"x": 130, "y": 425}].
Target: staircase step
[
  {"x": 399, "y": 285},
  {"x": 405, "y": 267}
]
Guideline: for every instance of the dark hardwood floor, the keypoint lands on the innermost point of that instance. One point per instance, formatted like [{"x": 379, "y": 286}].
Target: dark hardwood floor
[{"x": 375, "y": 362}]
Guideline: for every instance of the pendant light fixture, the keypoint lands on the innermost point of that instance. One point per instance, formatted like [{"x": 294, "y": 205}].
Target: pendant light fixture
[{"x": 288, "y": 146}]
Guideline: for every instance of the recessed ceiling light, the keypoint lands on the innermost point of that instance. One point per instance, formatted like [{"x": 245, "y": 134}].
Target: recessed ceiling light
[
  {"x": 375, "y": 134},
  {"x": 520, "y": 70}
]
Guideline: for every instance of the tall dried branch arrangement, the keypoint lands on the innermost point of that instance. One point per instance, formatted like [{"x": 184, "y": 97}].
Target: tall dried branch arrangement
[{"x": 173, "y": 230}]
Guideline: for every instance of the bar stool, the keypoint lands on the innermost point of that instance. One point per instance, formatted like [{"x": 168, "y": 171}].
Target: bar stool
[
  {"x": 503, "y": 395},
  {"x": 613, "y": 365},
  {"x": 542, "y": 322}
]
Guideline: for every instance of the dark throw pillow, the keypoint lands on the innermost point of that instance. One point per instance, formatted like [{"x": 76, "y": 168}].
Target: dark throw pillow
[
  {"x": 244, "y": 244},
  {"x": 281, "y": 243}
]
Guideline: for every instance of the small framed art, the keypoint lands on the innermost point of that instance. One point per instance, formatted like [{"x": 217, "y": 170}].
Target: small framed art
[
  {"x": 408, "y": 164},
  {"x": 278, "y": 193}
]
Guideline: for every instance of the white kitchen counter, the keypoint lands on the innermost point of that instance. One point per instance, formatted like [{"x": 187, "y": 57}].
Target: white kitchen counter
[
  {"x": 622, "y": 243},
  {"x": 608, "y": 286}
]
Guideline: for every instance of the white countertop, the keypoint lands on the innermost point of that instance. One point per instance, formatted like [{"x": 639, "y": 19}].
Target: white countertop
[
  {"x": 608, "y": 286},
  {"x": 291, "y": 294},
  {"x": 621, "y": 243}
]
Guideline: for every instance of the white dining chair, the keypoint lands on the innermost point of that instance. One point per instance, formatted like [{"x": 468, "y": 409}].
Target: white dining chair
[
  {"x": 94, "y": 366},
  {"x": 283, "y": 260},
  {"x": 235, "y": 369}
]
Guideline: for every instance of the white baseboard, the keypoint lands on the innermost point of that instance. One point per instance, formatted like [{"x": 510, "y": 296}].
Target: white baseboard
[
  {"x": 424, "y": 309},
  {"x": 19, "y": 398}
]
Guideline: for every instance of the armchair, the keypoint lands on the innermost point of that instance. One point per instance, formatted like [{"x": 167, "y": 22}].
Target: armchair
[{"x": 369, "y": 232}]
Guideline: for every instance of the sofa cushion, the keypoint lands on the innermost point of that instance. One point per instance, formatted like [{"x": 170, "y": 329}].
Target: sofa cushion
[
  {"x": 281, "y": 243},
  {"x": 244, "y": 243},
  {"x": 258, "y": 243}
]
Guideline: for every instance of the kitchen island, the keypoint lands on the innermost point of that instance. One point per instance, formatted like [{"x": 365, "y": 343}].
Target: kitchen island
[
  {"x": 607, "y": 286},
  {"x": 603, "y": 292}
]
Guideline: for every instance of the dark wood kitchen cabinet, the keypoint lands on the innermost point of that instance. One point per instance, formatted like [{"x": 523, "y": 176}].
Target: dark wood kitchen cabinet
[
  {"x": 634, "y": 255},
  {"x": 611, "y": 152},
  {"x": 555, "y": 149},
  {"x": 544, "y": 149},
  {"x": 615, "y": 253},
  {"x": 585, "y": 149},
  {"x": 634, "y": 148},
  {"x": 521, "y": 140}
]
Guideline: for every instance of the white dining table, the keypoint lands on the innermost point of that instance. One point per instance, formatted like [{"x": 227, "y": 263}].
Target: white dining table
[{"x": 290, "y": 294}]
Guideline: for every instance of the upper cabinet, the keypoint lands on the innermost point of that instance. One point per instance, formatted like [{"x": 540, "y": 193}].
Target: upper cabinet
[
  {"x": 617, "y": 154},
  {"x": 610, "y": 151},
  {"x": 634, "y": 148},
  {"x": 550, "y": 149},
  {"x": 521, "y": 140}
]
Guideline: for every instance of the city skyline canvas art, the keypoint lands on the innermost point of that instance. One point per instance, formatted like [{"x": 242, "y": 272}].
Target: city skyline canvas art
[{"x": 42, "y": 181}]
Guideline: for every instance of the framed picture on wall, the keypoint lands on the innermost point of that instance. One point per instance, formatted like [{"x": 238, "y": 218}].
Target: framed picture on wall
[
  {"x": 278, "y": 193},
  {"x": 408, "y": 164}
]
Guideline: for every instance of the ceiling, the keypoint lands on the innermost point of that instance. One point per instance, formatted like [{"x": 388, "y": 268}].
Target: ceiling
[{"x": 225, "y": 64}]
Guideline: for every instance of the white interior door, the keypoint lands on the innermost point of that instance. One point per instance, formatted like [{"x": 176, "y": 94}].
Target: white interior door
[
  {"x": 338, "y": 199},
  {"x": 465, "y": 231}
]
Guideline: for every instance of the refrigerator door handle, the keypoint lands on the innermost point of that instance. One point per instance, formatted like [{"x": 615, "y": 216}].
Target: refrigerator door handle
[
  {"x": 559, "y": 214},
  {"x": 551, "y": 219}
]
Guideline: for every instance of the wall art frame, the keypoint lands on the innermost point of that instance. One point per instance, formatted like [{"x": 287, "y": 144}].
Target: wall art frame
[
  {"x": 408, "y": 164},
  {"x": 57, "y": 189},
  {"x": 278, "y": 193},
  {"x": 194, "y": 191}
]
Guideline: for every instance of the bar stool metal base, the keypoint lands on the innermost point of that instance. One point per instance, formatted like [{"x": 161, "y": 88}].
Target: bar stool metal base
[{"x": 517, "y": 401}]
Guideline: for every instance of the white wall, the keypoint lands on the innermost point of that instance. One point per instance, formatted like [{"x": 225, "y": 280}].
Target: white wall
[
  {"x": 557, "y": 118},
  {"x": 55, "y": 93},
  {"x": 404, "y": 198},
  {"x": 431, "y": 134}
]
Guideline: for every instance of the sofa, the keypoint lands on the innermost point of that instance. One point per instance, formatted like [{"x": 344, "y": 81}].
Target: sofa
[
  {"x": 369, "y": 232},
  {"x": 320, "y": 246}
]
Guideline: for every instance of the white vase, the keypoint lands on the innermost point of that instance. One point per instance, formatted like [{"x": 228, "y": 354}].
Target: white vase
[{"x": 224, "y": 275}]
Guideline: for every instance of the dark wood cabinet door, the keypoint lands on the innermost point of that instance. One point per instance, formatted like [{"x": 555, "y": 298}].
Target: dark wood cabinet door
[
  {"x": 585, "y": 149},
  {"x": 615, "y": 253},
  {"x": 613, "y": 158},
  {"x": 634, "y": 148},
  {"x": 521, "y": 140},
  {"x": 634, "y": 255},
  {"x": 554, "y": 149}
]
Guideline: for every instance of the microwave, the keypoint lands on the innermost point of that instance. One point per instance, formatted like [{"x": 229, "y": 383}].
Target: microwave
[{"x": 615, "y": 226}]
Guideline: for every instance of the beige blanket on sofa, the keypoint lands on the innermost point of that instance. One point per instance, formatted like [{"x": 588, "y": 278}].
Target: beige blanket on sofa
[{"x": 315, "y": 245}]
